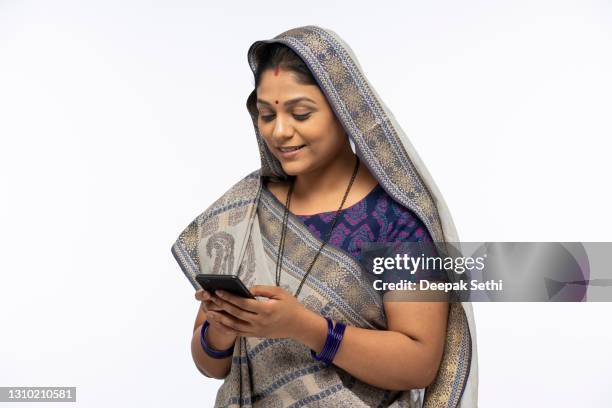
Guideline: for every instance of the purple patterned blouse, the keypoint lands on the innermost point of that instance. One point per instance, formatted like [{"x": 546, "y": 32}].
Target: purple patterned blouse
[{"x": 375, "y": 218}]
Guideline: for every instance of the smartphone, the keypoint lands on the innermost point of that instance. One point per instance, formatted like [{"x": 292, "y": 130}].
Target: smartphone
[{"x": 228, "y": 283}]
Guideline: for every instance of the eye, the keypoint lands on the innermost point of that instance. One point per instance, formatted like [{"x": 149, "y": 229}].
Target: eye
[
  {"x": 302, "y": 117},
  {"x": 266, "y": 118}
]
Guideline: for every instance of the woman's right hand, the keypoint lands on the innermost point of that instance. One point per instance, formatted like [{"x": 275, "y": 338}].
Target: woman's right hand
[{"x": 218, "y": 335}]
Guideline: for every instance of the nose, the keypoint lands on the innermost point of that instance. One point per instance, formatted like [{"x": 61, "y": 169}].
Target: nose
[{"x": 282, "y": 130}]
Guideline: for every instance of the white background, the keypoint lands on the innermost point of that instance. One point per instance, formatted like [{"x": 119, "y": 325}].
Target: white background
[{"x": 121, "y": 121}]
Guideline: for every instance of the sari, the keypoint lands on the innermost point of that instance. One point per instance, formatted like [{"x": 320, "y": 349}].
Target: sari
[{"x": 240, "y": 232}]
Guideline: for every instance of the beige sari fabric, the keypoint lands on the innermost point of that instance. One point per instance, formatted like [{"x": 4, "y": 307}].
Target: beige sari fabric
[{"x": 239, "y": 234}]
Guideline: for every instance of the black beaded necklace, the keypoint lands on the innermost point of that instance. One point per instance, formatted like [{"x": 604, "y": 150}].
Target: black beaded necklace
[{"x": 281, "y": 248}]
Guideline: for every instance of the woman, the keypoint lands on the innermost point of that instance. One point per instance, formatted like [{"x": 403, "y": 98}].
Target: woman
[{"x": 319, "y": 334}]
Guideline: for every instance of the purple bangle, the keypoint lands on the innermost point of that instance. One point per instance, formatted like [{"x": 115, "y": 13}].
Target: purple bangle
[
  {"x": 338, "y": 334},
  {"x": 210, "y": 351},
  {"x": 326, "y": 347},
  {"x": 332, "y": 342}
]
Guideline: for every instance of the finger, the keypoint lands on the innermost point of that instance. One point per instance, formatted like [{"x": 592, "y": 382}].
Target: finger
[
  {"x": 209, "y": 305},
  {"x": 229, "y": 321},
  {"x": 233, "y": 309},
  {"x": 266, "y": 291},
  {"x": 251, "y": 305},
  {"x": 202, "y": 295},
  {"x": 215, "y": 308},
  {"x": 221, "y": 328},
  {"x": 228, "y": 329}
]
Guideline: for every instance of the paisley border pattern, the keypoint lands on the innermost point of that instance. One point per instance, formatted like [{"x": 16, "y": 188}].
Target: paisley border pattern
[{"x": 231, "y": 206}]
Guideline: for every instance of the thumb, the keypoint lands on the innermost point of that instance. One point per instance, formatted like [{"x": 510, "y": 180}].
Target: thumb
[{"x": 266, "y": 291}]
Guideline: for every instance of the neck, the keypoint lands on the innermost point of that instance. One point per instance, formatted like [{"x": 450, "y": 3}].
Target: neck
[{"x": 327, "y": 180}]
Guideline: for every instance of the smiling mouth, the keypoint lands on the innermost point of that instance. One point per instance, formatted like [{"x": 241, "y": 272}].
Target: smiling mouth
[{"x": 290, "y": 148}]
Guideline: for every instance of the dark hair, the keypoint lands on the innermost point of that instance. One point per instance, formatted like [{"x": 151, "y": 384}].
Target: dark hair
[{"x": 273, "y": 54}]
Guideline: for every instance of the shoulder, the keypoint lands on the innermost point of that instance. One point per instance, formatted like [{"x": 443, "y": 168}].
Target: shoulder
[{"x": 241, "y": 193}]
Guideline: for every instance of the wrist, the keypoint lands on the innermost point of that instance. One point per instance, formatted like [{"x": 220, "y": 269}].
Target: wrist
[
  {"x": 335, "y": 333},
  {"x": 312, "y": 330},
  {"x": 218, "y": 340}
]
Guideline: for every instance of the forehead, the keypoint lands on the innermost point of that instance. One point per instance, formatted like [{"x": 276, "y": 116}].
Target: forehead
[{"x": 285, "y": 86}]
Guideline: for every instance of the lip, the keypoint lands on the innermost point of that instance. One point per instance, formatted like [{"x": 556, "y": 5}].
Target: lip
[{"x": 291, "y": 154}]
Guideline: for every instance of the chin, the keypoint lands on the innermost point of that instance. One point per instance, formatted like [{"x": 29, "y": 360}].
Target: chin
[{"x": 294, "y": 168}]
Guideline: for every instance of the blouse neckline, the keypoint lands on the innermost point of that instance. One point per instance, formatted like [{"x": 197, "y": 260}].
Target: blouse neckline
[{"x": 302, "y": 216}]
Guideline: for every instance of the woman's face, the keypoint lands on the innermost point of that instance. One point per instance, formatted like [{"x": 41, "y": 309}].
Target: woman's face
[{"x": 297, "y": 123}]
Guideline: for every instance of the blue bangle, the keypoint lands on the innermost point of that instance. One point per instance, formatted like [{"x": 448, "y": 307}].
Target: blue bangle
[
  {"x": 323, "y": 354},
  {"x": 338, "y": 334},
  {"x": 210, "y": 351},
  {"x": 332, "y": 342}
]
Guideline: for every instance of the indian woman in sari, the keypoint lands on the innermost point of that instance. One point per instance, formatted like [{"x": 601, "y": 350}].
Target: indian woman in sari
[{"x": 337, "y": 171}]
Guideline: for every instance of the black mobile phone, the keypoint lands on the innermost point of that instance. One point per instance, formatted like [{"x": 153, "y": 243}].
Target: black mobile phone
[{"x": 228, "y": 283}]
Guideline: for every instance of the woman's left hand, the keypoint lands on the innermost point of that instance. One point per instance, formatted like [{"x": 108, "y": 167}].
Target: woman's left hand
[{"x": 279, "y": 316}]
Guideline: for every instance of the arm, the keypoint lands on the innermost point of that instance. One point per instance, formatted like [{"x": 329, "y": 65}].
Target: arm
[
  {"x": 405, "y": 356},
  {"x": 408, "y": 354}
]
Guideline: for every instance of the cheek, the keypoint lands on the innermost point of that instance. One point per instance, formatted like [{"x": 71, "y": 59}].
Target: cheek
[
  {"x": 317, "y": 133},
  {"x": 324, "y": 139}
]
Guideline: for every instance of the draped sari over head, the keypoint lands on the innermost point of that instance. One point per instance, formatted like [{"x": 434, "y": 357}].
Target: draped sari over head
[{"x": 239, "y": 234}]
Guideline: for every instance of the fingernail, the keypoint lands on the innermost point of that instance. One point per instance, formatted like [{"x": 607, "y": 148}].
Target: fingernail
[{"x": 220, "y": 293}]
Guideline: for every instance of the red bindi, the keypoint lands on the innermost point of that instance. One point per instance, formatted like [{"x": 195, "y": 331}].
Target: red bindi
[
  {"x": 276, "y": 70},
  {"x": 276, "y": 102}
]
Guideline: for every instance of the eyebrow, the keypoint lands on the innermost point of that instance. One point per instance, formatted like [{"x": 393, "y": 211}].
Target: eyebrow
[{"x": 289, "y": 102}]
